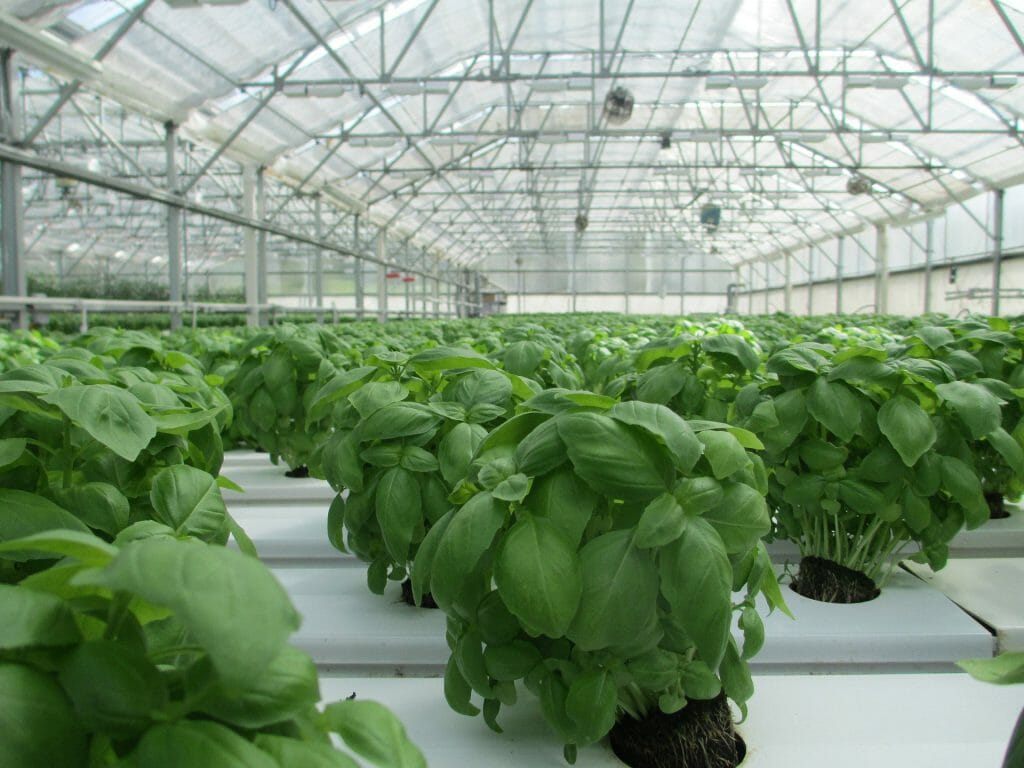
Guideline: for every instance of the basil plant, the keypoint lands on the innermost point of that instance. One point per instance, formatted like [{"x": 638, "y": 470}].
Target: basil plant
[
  {"x": 869, "y": 453},
  {"x": 87, "y": 447},
  {"x": 593, "y": 557},
  {"x": 405, "y": 431},
  {"x": 274, "y": 386},
  {"x": 156, "y": 651}
]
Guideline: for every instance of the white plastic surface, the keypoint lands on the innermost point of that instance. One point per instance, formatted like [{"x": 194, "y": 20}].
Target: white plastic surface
[
  {"x": 991, "y": 589},
  {"x": 241, "y": 457},
  {"x": 265, "y": 483},
  {"x": 800, "y": 721},
  {"x": 995, "y": 538},
  {"x": 284, "y": 531},
  {"x": 910, "y": 627},
  {"x": 346, "y": 625}
]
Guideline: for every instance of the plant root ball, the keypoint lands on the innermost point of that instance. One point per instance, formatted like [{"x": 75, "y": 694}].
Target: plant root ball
[
  {"x": 427, "y": 600},
  {"x": 700, "y": 735},
  {"x": 829, "y": 582},
  {"x": 996, "y": 508}
]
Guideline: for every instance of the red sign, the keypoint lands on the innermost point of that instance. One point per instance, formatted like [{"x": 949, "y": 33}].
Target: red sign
[
  {"x": 408, "y": 279},
  {"x": 393, "y": 275}
]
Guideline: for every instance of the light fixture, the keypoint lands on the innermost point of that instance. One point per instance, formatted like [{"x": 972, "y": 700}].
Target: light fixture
[
  {"x": 1003, "y": 81},
  {"x": 372, "y": 141},
  {"x": 721, "y": 82},
  {"x": 875, "y": 137},
  {"x": 750, "y": 83},
  {"x": 313, "y": 90},
  {"x": 47, "y": 49},
  {"x": 718, "y": 82},
  {"x": 804, "y": 137},
  {"x": 450, "y": 140},
  {"x": 618, "y": 105},
  {"x": 891, "y": 82},
  {"x": 859, "y": 81},
  {"x": 698, "y": 135},
  {"x": 415, "y": 88},
  {"x": 858, "y": 185}
]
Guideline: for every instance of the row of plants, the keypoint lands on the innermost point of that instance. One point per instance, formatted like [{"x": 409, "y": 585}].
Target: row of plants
[
  {"x": 129, "y": 636},
  {"x": 553, "y": 483},
  {"x": 593, "y": 540}
]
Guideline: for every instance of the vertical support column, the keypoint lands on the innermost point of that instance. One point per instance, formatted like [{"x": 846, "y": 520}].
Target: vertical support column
[
  {"x": 750, "y": 288},
  {"x": 810, "y": 280},
  {"x": 457, "y": 289},
  {"x": 881, "y": 269},
  {"x": 12, "y": 222},
  {"x": 999, "y": 196},
  {"x": 839, "y": 274},
  {"x": 382, "y": 280},
  {"x": 682, "y": 284},
  {"x": 437, "y": 289},
  {"x": 318, "y": 254},
  {"x": 249, "y": 255},
  {"x": 572, "y": 271},
  {"x": 357, "y": 271},
  {"x": 787, "y": 275},
  {"x": 478, "y": 294},
  {"x": 261, "y": 243},
  {"x": 424, "y": 288},
  {"x": 929, "y": 255},
  {"x": 173, "y": 225}
]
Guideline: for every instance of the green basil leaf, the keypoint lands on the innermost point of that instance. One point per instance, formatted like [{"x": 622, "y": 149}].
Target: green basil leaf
[
  {"x": 232, "y": 605},
  {"x": 114, "y": 688},
  {"x": 456, "y": 450},
  {"x": 741, "y": 517},
  {"x": 696, "y": 580},
  {"x": 31, "y": 619},
  {"x": 109, "y": 414},
  {"x": 591, "y": 704},
  {"x": 23, "y": 514},
  {"x": 620, "y": 592},
  {"x": 834, "y": 405},
  {"x": 565, "y": 500},
  {"x": 975, "y": 405},
  {"x": 285, "y": 689},
  {"x": 663, "y": 521},
  {"x": 399, "y": 512},
  {"x": 539, "y": 576},
  {"x": 308, "y": 754},
  {"x": 372, "y": 731},
  {"x": 38, "y": 728},
  {"x": 189, "y": 501},
  {"x": 542, "y": 450},
  {"x": 470, "y": 534},
  {"x": 512, "y": 661},
  {"x": 723, "y": 452},
  {"x": 907, "y": 427},
  {"x": 615, "y": 459},
  {"x": 665, "y": 425},
  {"x": 196, "y": 744}
]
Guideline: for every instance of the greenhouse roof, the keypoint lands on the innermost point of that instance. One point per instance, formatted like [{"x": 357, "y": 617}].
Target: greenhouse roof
[{"x": 480, "y": 130}]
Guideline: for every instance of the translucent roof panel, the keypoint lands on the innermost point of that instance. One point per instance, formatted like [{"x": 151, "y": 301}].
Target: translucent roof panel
[{"x": 481, "y": 128}]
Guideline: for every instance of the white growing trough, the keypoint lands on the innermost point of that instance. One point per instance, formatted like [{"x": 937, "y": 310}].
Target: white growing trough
[
  {"x": 910, "y": 627},
  {"x": 799, "y": 721}
]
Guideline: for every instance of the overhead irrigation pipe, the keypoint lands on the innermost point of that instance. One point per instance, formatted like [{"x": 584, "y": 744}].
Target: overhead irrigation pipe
[{"x": 11, "y": 154}]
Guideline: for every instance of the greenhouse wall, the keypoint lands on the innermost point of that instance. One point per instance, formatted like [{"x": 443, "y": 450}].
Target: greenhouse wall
[{"x": 906, "y": 292}]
